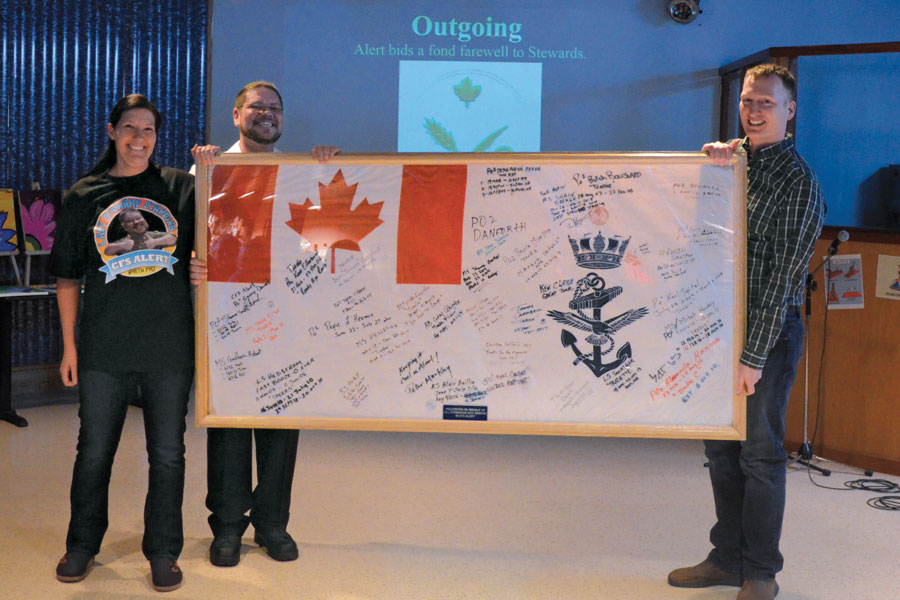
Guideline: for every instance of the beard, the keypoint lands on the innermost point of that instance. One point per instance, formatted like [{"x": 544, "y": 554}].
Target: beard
[{"x": 260, "y": 138}]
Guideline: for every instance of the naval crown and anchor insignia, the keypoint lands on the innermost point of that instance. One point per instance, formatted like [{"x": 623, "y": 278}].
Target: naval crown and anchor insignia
[{"x": 591, "y": 294}]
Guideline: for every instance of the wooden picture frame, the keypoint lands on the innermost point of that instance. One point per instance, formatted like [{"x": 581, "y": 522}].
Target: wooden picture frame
[{"x": 450, "y": 293}]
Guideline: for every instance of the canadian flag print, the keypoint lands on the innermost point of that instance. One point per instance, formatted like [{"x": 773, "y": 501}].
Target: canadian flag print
[{"x": 428, "y": 219}]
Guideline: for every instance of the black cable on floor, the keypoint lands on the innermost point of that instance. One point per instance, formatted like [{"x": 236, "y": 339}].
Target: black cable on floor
[
  {"x": 825, "y": 487},
  {"x": 873, "y": 485},
  {"x": 868, "y": 485},
  {"x": 885, "y": 502}
]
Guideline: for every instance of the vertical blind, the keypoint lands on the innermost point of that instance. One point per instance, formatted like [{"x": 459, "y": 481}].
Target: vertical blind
[{"x": 65, "y": 63}]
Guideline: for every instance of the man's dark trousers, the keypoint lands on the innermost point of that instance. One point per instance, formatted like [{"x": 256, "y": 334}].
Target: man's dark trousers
[{"x": 230, "y": 493}]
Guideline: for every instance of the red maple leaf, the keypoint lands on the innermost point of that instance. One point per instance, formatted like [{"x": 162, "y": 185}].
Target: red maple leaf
[{"x": 332, "y": 224}]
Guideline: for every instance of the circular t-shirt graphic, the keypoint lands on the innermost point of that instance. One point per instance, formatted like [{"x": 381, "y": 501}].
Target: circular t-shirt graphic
[{"x": 135, "y": 238}]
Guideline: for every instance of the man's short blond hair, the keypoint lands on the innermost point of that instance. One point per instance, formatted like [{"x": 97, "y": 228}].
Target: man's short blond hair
[{"x": 772, "y": 70}]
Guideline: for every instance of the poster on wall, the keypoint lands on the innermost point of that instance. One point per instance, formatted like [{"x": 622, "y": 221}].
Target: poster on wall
[
  {"x": 843, "y": 282},
  {"x": 888, "y": 280},
  {"x": 589, "y": 294}
]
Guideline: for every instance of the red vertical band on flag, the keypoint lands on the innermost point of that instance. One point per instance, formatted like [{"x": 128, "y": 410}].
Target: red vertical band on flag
[
  {"x": 240, "y": 223},
  {"x": 430, "y": 228}
]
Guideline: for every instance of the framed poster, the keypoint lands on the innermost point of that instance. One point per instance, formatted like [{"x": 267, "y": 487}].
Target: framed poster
[{"x": 564, "y": 294}]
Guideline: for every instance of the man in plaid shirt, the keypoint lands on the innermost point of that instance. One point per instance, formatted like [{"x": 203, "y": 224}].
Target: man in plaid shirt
[{"x": 785, "y": 211}]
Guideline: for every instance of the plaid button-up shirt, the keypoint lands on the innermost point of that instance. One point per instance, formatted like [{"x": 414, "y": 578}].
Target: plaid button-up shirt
[{"x": 785, "y": 212}]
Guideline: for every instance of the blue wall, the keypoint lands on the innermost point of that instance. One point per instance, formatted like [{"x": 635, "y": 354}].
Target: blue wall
[{"x": 645, "y": 82}]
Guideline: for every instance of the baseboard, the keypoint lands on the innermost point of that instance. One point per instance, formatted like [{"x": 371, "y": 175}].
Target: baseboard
[{"x": 854, "y": 459}]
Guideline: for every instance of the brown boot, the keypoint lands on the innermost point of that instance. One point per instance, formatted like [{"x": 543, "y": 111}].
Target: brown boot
[
  {"x": 755, "y": 589},
  {"x": 705, "y": 574}
]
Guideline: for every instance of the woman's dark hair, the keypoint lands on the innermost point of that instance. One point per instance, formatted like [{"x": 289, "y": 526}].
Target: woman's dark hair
[{"x": 108, "y": 158}]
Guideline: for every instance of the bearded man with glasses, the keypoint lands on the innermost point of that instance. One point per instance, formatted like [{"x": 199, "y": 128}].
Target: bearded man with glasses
[{"x": 259, "y": 116}]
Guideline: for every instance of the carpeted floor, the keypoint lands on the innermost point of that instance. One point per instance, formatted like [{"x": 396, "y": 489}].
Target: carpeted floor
[{"x": 390, "y": 516}]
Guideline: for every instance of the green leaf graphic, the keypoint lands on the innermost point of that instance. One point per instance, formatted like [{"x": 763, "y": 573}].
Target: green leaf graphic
[
  {"x": 466, "y": 92},
  {"x": 440, "y": 135},
  {"x": 486, "y": 142},
  {"x": 504, "y": 149}
]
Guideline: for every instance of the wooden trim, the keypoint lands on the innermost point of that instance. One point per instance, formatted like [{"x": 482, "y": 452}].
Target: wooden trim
[
  {"x": 748, "y": 61},
  {"x": 794, "y": 67},
  {"x": 736, "y": 430},
  {"x": 458, "y": 158},
  {"x": 740, "y": 286},
  {"x": 203, "y": 183},
  {"x": 725, "y": 108},
  {"x": 798, "y": 51},
  {"x": 878, "y": 236},
  {"x": 724, "y": 121},
  {"x": 834, "y": 49},
  {"x": 497, "y": 427}
]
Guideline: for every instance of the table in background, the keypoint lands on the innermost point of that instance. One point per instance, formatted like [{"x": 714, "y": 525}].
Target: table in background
[{"x": 7, "y": 294}]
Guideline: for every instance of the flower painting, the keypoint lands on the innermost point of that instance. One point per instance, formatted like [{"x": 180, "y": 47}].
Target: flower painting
[{"x": 39, "y": 209}]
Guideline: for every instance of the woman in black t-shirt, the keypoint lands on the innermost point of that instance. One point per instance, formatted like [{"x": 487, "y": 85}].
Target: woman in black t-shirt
[{"x": 135, "y": 331}]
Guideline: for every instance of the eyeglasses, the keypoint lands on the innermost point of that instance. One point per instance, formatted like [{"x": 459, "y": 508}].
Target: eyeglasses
[{"x": 262, "y": 108}]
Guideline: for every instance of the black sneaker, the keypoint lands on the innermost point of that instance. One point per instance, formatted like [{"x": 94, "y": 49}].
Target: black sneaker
[
  {"x": 278, "y": 544},
  {"x": 225, "y": 550},
  {"x": 74, "y": 566},
  {"x": 165, "y": 573}
]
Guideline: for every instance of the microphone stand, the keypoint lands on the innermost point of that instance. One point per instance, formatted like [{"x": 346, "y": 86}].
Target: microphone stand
[{"x": 804, "y": 453}]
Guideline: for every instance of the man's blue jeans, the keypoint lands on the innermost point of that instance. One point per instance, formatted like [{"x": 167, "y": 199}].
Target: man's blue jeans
[
  {"x": 748, "y": 478},
  {"x": 104, "y": 398}
]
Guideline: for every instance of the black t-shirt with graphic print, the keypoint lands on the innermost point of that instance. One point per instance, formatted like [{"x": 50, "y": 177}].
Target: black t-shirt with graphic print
[{"x": 136, "y": 310}]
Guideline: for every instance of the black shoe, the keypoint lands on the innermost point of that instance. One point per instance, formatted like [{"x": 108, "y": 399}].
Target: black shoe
[
  {"x": 74, "y": 566},
  {"x": 166, "y": 574},
  {"x": 225, "y": 550},
  {"x": 278, "y": 544}
]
